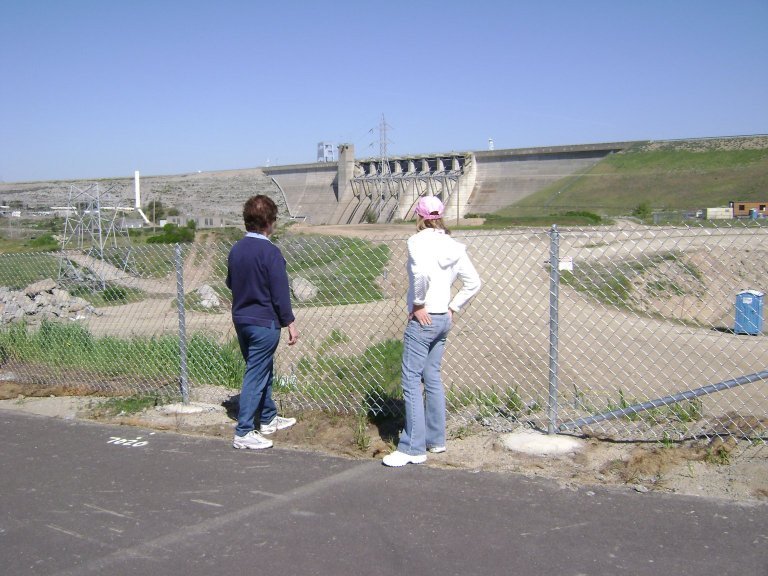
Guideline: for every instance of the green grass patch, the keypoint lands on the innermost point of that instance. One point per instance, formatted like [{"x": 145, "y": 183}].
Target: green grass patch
[
  {"x": 17, "y": 271},
  {"x": 71, "y": 345},
  {"x": 612, "y": 283},
  {"x": 718, "y": 455},
  {"x": 623, "y": 404},
  {"x": 373, "y": 378},
  {"x": 173, "y": 234},
  {"x": 602, "y": 283},
  {"x": 151, "y": 261},
  {"x": 568, "y": 218},
  {"x": 670, "y": 178},
  {"x": 685, "y": 411},
  {"x": 128, "y": 405},
  {"x": 490, "y": 402},
  {"x": 335, "y": 338},
  {"x": 44, "y": 242},
  {"x": 360, "y": 435},
  {"x": 109, "y": 295},
  {"x": 345, "y": 270}
]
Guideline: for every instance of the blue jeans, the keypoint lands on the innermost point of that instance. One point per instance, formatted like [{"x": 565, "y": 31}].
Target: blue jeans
[
  {"x": 423, "y": 348},
  {"x": 258, "y": 345}
]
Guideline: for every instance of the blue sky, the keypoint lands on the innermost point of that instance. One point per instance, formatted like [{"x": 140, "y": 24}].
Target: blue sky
[{"x": 100, "y": 88}]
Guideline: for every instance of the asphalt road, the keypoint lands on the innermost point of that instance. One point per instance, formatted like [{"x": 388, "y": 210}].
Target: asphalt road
[{"x": 77, "y": 500}]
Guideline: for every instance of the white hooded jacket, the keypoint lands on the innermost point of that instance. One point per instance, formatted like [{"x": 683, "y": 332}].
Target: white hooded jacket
[{"x": 435, "y": 260}]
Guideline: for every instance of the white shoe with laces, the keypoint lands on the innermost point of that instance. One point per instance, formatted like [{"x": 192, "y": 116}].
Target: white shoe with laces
[
  {"x": 436, "y": 449},
  {"x": 251, "y": 441},
  {"x": 278, "y": 423},
  {"x": 397, "y": 459}
]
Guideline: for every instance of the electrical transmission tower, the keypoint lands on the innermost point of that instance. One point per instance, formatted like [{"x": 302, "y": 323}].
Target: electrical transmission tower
[
  {"x": 383, "y": 155},
  {"x": 94, "y": 231},
  {"x": 385, "y": 173}
]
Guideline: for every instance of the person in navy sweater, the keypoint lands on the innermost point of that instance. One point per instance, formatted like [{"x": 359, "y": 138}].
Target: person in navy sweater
[{"x": 261, "y": 306}]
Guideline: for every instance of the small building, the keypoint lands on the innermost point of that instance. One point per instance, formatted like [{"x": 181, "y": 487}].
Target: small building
[
  {"x": 64, "y": 211},
  {"x": 745, "y": 209},
  {"x": 201, "y": 221},
  {"x": 132, "y": 223},
  {"x": 324, "y": 152},
  {"x": 718, "y": 213}
]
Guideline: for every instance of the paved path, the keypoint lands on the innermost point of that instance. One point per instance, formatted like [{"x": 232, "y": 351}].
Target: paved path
[{"x": 76, "y": 501}]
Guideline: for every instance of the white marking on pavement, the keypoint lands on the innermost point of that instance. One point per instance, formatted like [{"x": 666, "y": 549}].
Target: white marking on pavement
[
  {"x": 97, "y": 508},
  {"x": 64, "y": 531},
  {"x": 207, "y": 503},
  {"x": 137, "y": 442}
]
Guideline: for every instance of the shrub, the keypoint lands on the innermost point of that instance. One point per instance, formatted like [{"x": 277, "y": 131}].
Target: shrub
[
  {"x": 44, "y": 242},
  {"x": 172, "y": 234}
]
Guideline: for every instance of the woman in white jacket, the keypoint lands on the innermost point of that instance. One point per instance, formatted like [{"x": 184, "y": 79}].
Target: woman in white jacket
[{"x": 435, "y": 260}]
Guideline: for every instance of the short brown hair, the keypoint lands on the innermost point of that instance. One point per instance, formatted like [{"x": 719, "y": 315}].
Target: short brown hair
[{"x": 259, "y": 212}]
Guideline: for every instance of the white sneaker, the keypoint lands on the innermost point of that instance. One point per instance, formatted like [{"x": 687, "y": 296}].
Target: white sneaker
[
  {"x": 278, "y": 423},
  {"x": 253, "y": 441},
  {"x": 397, "y": 459},
  {"x": 436, "y": 449}
]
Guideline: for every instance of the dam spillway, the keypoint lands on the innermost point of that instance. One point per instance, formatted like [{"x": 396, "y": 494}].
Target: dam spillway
[{"x": 351, "y": 191}]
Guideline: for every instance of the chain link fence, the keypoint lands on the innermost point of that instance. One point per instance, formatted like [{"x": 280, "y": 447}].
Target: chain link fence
[{"x": 628, "y": 332}]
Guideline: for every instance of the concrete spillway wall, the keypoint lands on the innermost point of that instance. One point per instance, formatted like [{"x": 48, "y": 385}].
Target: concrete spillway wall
[
  {"x": 387, "y": 191},
  {"x": 310, "y": 190},
  {"x": 504, "y": 177}
]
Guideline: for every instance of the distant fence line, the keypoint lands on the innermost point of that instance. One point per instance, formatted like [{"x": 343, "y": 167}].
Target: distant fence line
[{"x": 633, "y": 334}]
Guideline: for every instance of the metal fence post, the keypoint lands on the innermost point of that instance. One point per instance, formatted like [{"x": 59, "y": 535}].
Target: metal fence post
[
  {"x": 183, "y": 374},
  {"x": 554, "y": 283}
]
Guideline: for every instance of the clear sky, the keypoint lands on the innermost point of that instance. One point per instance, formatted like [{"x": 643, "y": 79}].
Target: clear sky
[{"x": 100, "y": 88}]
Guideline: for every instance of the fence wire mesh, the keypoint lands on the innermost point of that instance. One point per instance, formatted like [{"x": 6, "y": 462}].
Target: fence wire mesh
[{"x": 648, "y": 340}]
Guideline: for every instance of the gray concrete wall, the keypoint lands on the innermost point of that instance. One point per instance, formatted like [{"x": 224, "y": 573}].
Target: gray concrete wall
[
  {"x": 310, "y": 190},
  {"x": 504, "y": 177}
]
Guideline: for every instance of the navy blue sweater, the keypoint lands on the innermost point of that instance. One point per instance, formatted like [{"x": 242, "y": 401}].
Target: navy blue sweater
[{"x": 257, "y": 276}]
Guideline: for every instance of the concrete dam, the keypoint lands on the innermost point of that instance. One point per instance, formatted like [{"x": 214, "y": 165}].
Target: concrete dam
[
  {"x": 351, "y": 191},
  {"x": 347, "y": 191}
]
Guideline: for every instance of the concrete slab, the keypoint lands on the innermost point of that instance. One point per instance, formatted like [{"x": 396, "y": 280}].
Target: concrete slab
[
  {"x": 190, "y": 408},
  {"x": 537, "y": 443},
  {"x": 67, "y": 407}
]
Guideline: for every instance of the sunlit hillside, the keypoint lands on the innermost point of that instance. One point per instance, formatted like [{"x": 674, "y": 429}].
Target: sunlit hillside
[{"x": 672, "y": 175}]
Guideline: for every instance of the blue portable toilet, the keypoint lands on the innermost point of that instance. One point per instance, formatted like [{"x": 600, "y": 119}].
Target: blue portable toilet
[{"x": 749, "y": 312}]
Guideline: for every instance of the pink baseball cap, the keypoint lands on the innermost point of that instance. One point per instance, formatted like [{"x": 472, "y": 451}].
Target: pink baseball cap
[{"x": 429, "y": 208}]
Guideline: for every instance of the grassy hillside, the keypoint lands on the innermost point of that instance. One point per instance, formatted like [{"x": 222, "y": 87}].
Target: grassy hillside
[{"x": 679, "y": 175}]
